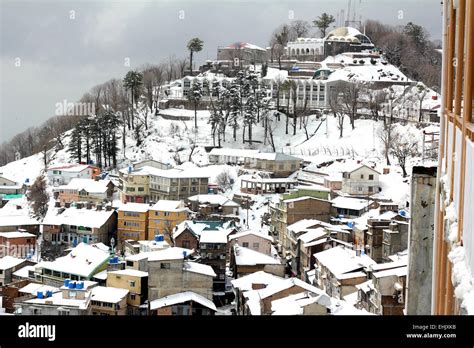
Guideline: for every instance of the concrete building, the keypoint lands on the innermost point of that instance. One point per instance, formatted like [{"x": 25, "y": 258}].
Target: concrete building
[
  {"x": 63, "y": 174},
  {"x": 183, "y": 303},
  {"x": 132, "y": 222},
  {"x": 345, "y": 39},
  {"x": 84, "y": 190},
  {"x": 453, "y": 254},
  {"x": 164, "y": 216},
  {"x": 145, "y": 183},
  {"x": 135, "y": 281},
  {"x": 245, "y": 261},
  {"x": 170, "y": 273},
  {"x": 82, "y": 223},
  {"x": 361, "y": 180},
  {"x": 347, "y": 207},
  {"x": 306, "y": 48},
  {"x": 213, "y": 250},
  {"x": 287, "y": 212},
  {"x": 339, "y": 270},
  {"x": 420, "y": 241},
  {"x": 73, "y": 298},
  {"x": 279, "y": 165},
  {"x": 242, "y": 54},
  {"x": 253, "y": 240},
  {"x": 81, "y": 263},
  {"x": 213, "y": 204},
  {"x": 108, "y": 301},
  {"x": 8, "y": 265}
]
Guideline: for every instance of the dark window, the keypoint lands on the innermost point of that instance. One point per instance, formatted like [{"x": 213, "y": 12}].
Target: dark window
[
  {"x": 165, "y": 266},
  {"x": 371, "y": 177},
  {"x": 186, "y": 244}
]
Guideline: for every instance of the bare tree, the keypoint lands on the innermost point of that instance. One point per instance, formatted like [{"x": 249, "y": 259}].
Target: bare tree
[
  {"x": 300, "y": 28},
  {"x": 404, "y": 146},
  {"x": 335, "y": 97},
  {"x": 384, "y": 133}
]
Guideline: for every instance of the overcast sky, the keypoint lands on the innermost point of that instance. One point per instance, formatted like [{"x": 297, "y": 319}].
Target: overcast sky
[{"x": 63, "y": 48}]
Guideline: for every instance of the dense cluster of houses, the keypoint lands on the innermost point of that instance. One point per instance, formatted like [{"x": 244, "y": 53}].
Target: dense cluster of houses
[{"x": 329, "y": 243}]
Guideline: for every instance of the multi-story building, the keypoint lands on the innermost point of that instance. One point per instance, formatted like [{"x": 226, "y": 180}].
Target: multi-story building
[
  {"x": 171, "y": 272},
  {"x": 132, "y": 222},
  {"x": 85, "y": 190},
  {"x": 454, "y": 225},
  {"x": 81, "y": 263},
  {"x": 164, "y": 216},
  {"x": 8, "y": 265},
  {"x": 288, "y": 211},
  {"x": 82, "y": 223},
  {"x": 108, "y": 301},
  {"x": 242, "y": 54},
  {"x": 62, "y": 175},
  {"x": 145, "y": 184},
  {"x": 136, "y": 282},
  {"x": 361, "y": 180}
]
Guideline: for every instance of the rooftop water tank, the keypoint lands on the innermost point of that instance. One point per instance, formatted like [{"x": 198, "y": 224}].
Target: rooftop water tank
[
  {"x": 72, "y": 285},
  {"x": 80, "y": 285},
  {"x": 66, "y": 282},
  {"x": 39, "y": 294},
  {"x": 184, "y": 253},
  {"x": 49, "y": 293}
]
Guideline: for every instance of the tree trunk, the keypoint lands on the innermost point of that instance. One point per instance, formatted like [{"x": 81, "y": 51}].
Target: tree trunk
[
  {"x": 191, "y": 63},
  {"x": 195, "y": 116}
]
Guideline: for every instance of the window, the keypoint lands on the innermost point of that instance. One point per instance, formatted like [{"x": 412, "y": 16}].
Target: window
[
  {"x": 130, "y": 263},
  {"x": 371, "y": 176},
  {"x": 132, "y": 283},
  {"x": 141, "y": 189},
  {"x": 245, "y": 244},
  {"x": 166, "y": 213},
  {"x": 72, "y": 294},
  {"x": 131, "y": 224},
  {"x": 186, "y": 244},
  {"x": 193, "y": 189},
  {"x": 360, "y": 188},
  {"x": 255, "y": 245},
  {"x": 131, "y": 213},
  {"x": 133, "y": 296},
  {"x": 371, "y": 189},
  {"x": 362, "y": 176},
  {"x": 165, "y": 266}
]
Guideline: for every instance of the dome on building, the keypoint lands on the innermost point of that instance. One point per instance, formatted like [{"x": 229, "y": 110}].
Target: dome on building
[{"x": 348, "y": 34}]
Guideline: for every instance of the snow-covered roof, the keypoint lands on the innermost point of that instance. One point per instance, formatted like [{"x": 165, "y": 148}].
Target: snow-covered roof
[
  {"x": 200, "y": 268},
  {"x": 88, "y": 185},
  {"x": 174, "y": 253},
  {"x": 275, "y": 156},
  {"x": 33, "y": 288},
  {"x": 340, "y": 260},
  {"x": 134, "y": 207},
  {"x": 245, "y": 283},
  {"x": 16, "y": 234},
  {"x": 24, "y": 272},
  {"x": 287, "y": 284},
  {"x": 248, "y": 257},
  {"x": 242, "y": 45},
  {"x": 58, "y": 300},
  {"x": 101, "y": 275},
  {"x": 350, "y": 203},
  {"x": 304, "y": 198},
  {"x": 294, "y": 304},
  {"x": 211, "y": 236},
  {"x": 194, "y": 227},
  {"x": 130, "y": 272},
  {"x": 83, "y": 260},
  {"x": 306, "y": 225},
  {"x": 8, "y": 262},
  {"x": 17, "y": 220},
  {"x": 73, "y": 168},
  {"x": 214, "y": 200},
  {"x": 169, "y": 206},
  {"x": 181, "y": 298},
  {"x": 168, "y": 173},
  {"x": 108, "y": 294},
  {"x": 254, "y": 233},
  {"x": 399, "y": 272},
  {"x": 354, "y": 167},
  {"x": 224, "y": 151},
  {"x": 313, "y": 234},
  {"x": 91, "y": 218}
]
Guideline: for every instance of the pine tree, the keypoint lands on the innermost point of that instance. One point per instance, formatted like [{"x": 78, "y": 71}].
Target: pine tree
[
  {"x": 323, "y": 22},
  {"x": 133, "y": 82},
  {"x": 75, "y": 144},
  {"x": 250, "y": 115},
  {"x": 194, "y": 96}
]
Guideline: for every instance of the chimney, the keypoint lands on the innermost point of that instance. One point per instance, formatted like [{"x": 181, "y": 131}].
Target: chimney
[
  {"x": 99, "y": 207},
  {"x": 108, "y": 208},
  {"x": 67, "y": 204},
  {"x": 57, "y": 204}
]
